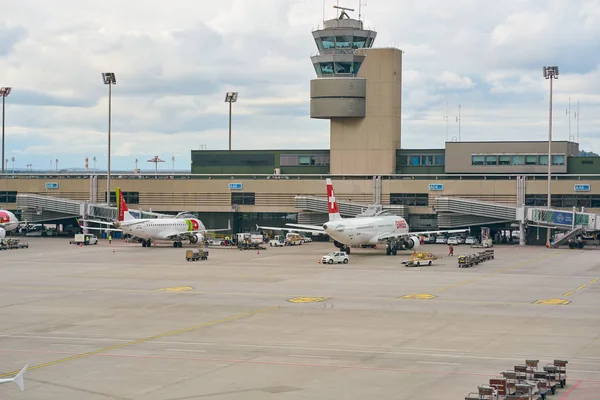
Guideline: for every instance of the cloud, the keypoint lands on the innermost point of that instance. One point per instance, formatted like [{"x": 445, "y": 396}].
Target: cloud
[{"x": 175, "y": 60}]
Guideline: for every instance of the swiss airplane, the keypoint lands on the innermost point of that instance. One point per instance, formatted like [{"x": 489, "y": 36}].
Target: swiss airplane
[
  {"x": 175, "y": 229},
  {"x": 365, "y": 230},
  {"x": 8, "y": 222}
]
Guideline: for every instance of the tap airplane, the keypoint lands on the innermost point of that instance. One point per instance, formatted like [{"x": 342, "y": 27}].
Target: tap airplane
[
  {"x": 383, "y": 227},
  {"x": 173, "y": 229},
  {"x": 18, "y": 379},
  {"x": 8, "y": 222}
]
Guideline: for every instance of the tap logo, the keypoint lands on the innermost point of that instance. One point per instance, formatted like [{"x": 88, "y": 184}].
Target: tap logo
[
  {"x": 192, "y": 225},
  {"x": 401, "y": 224},
  {"x": 4, "y": 217}
]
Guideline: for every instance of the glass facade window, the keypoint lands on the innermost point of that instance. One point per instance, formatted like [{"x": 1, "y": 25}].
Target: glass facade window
[
  {"x": 326, "y": 42},
  {"x": 293, "y": 160},
  {"x": 242, "y": 198},
  {"x": 491, "y": 160},
  {"x": 503, "y": 160},
  {"x": 8, "y": 197},
  {"x": 439, "y": 160},
  {"x": 344, "y": 42},
  {"x": 564, "y": 200},
  {"x": 518, "y": 160},
  {"x": 426, "y": 160},
  {"x": 530, "y": 160},
  {"x": 359, "y": 42},
  {"x": 205, "y": 159},
  {"x": 327, "y": 68},
  {"x": 558, "y": 159},
  {"x": 317, "y": 68},
  {"x": 410, "y": 199},
  {"x": 130, "y": 197},
  {"x": 343, "y": 68},
  {"x": 415, "y": 161},
  {"x": 477, "y": 160},
  {"x": 303, "y": 160},
  {"x": 543, "y": 160}
]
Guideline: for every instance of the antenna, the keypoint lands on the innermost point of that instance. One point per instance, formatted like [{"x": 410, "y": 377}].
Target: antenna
[
  {"x": 361, "y": 4},
  {"x": 343, "y": 11}
]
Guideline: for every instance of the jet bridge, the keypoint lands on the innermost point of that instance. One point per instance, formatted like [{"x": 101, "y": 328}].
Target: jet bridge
[
  {"x": 37, "y": 208},
  {"x": 315, "y": 209}
]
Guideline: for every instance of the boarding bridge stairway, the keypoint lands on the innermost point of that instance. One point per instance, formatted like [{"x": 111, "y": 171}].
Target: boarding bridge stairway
[
  {"x": 565, "y": 237},
  {"x": 347, "y": 208}
]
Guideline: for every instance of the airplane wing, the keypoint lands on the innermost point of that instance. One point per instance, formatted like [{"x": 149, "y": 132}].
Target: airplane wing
[
  {"x": 392, "y": 235},
  {"x": 313, "y": 227},
  {"x": 101, "y": 229},
  {"x": 96, "y": 221},
  {"x": 278, "y": 228}
]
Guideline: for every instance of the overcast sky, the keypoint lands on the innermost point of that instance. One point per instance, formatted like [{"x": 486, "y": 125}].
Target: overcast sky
[{"x": 174, "y": 60}]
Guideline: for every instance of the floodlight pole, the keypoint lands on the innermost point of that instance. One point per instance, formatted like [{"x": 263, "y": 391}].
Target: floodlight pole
[
  {"x": 550, "y": 73},
  {"x": 3, "y": 114},
  {"x": 109, "y": 127},
  {"x": 229, "y": 125}
]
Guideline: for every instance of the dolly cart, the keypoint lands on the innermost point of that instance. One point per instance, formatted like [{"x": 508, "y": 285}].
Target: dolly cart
[
  {"x": 561, "y": 371},
  {"x": 196, "y": 254},
  {"x": 543, "y": 375},
  {"x": 483, "y": 393},
  {"x": 465, "y": 261}
]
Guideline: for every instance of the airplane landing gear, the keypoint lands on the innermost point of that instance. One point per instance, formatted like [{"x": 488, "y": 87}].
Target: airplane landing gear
[
  {"x": 347, "y": 250},
  {"x": 177, "y": 244},
  {"x": 146, "y": 243},
  {"x": 391, "y": 247}
]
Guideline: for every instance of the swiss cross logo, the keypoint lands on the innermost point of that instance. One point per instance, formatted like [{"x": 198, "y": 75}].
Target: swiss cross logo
[
  {"x": 332, "y": 205},
  {"x": 400, "y": 224}
]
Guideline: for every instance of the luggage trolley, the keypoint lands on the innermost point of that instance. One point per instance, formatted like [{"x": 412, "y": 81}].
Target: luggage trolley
[
  {"x": 561, "y": 371},
  {"x": 483, "y": 393}
]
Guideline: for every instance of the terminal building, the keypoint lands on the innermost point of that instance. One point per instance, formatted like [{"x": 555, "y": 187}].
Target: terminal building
[{"x": 358, "y": 89}]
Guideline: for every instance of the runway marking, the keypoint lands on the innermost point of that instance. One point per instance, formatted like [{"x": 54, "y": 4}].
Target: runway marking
[
  {"x": 280, "y": 295},
  {"x": 176, "y": 289},
  {"x": 419, "y": 296},
  {"x": 553, "y": 302},
  {"x": 581, "y": 287},
  {"x": 144, "y": 340},
  {"x": 568, "y": 393},
  {"x": 305, "y": 365},
  {"x": 307, "y": 299},
  {"x": 568, "y": 294},
  {"x": 594, "y": 280},
  {"x": 304, "y": 355}
]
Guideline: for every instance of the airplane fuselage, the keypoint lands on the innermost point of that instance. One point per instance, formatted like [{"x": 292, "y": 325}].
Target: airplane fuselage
[
  {"x": 359, "y": 231},
  {"x": 161, "y": 228},
  {"x": 8, "y": 222}
]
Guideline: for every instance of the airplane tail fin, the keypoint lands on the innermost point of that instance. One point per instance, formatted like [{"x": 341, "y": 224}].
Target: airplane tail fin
[
  {"x": 19, "y": 380},
  {"x": 332, "y": 206},
  {"x": 122, "y": 210}
]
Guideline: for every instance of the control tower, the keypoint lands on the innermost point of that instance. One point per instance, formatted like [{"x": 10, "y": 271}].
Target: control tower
[{"x": 358, "y": 88}]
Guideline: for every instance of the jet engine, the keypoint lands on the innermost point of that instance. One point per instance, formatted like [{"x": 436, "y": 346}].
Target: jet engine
[
  {"x": 197, "y": 238},
  {"x": 2, "y": 233},
  {"x": 412, "y": 243}
]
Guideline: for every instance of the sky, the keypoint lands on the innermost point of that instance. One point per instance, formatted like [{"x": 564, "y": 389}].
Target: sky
[{"x": 175, "y": 60}]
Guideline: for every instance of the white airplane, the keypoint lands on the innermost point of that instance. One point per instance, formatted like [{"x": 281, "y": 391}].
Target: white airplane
[
  {"x": 364, "y": 230},
  {"x": 18, "y": 379},
  {"x": 175, "y": 229},
  {"x": 8, "y": 222}
]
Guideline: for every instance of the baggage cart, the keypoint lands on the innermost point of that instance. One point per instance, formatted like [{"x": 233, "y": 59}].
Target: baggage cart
[
  {"x": 465, "y": 261},
  {"x": 196, "y": 254},
  {"x": 561, "y": 371}
]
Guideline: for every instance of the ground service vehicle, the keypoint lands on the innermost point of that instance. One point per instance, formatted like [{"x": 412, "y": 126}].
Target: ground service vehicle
[
  {"x": 441, "y": 240},
  {"x": 196, "y": 254},
  {"x": 471, "y": 240},
  {"x": 335, "y": 257},
  {"x": 81, "y": 238}
]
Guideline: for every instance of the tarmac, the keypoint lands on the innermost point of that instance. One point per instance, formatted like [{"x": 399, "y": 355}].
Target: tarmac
[{"x": 118, "y": 321}]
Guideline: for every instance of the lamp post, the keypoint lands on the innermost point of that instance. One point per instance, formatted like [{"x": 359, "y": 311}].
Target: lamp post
[
  {"x": 173, "y": 161},
  {"x": 4, "y": 92},
  {"x": 230, "y": 97},
  {"x": 550, "y": 73},
  {"x": 94, "y": 160},
  {"x": 109, "y": 79},
  {"x": 13, "y": 164},
  {"x": 56, "y": 165}
]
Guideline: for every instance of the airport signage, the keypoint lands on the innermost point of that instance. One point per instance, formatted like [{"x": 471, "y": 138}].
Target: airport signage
[
  {"x": 563, "y": 218},
  {"x": 436, "y": 186},
  {"x": 583, "y": 187},
  {"x": 51, "y": 185},
  {"x": 235, "y": 186}
]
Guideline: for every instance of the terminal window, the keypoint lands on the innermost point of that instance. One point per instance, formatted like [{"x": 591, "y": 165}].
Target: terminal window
[
  {"x": 8, "y": 197},
  {"x": 410, "y": 199},
  {"x": 564, "y": 200},
  {"x": 130, "y": 197},
  {"x": 516, "y": 159},
  {"x": 242, "y": 198},
  {"x": 420, "y": 160},
  {"x": 293, "y": 160}
]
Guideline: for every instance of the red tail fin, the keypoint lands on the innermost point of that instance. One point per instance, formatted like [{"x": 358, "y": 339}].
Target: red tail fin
[
  {"x": 122, "y": 206},
  {"x": 332, "y": 206}
]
